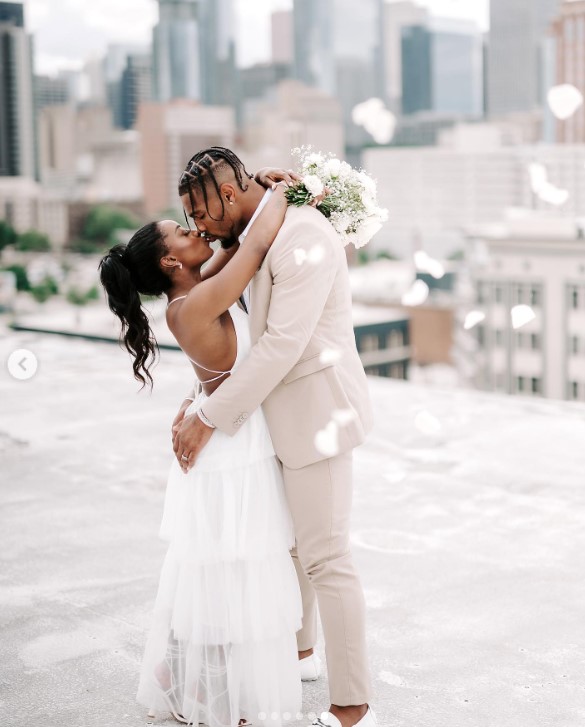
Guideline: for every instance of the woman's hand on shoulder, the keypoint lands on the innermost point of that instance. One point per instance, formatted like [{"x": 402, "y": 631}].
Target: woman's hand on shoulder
[{"x": 268, "y": 177}]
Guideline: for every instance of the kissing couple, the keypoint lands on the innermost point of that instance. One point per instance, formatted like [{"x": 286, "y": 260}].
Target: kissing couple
[{"x": 263, "y": 446}]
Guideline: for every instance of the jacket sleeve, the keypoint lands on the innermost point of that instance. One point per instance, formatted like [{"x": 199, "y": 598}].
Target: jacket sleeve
[{"x": 304, "y": 266}]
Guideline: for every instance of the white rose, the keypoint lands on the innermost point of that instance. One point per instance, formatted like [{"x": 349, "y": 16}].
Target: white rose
[
  {"x": 366, "y": 231},
  {"x": 331, "y": 168},
  {"x": 313, "y": 184},
  {"x": 313, "y": 159},
  {"x": 367, "y": 182},
  {"x": 344, "y": 170}
]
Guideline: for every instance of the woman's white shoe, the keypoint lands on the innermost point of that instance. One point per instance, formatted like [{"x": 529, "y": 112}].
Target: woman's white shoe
[{"x": 310, "y": 668}]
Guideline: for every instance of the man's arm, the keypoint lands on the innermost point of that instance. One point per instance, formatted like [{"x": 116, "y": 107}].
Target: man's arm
[{"x": 299, "y": 295}]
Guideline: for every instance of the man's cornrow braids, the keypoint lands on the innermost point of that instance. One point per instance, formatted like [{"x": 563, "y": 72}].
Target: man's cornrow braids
[{"x": 201, "y": 168}]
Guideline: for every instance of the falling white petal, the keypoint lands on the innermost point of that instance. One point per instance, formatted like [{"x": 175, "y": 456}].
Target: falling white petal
[
  {"x": 330, "y": 355},
  {"x": 472, "y": 319},
  {"x": 564, "y": 100},
  {"x": 425, "y": 263},
  {"x": 327, "y": 441},
  {"x": 300, "y": 256},
  {"x": 427, "y": 423},
  {"x": 546, "y": 191},
  {"x": 417, "y": 294},
  {"x": 521, "y": 315},
  {"x": 343, "y": 416}
]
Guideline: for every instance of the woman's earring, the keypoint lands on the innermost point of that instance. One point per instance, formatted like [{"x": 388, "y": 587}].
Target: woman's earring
[{"x": 179, "y": 265}]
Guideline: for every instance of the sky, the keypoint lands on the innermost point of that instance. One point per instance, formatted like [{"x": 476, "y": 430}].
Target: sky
[{"x": 69, "y": 31}]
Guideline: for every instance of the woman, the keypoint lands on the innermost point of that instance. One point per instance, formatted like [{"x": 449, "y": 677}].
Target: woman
[{"x": 222, "y": 648}]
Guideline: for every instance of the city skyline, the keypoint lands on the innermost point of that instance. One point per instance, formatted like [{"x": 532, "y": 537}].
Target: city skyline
[{"x": 68, "y": 32}]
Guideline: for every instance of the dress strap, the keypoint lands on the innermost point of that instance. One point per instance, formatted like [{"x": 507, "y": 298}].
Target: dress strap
[{"x": 180, "y": 297}]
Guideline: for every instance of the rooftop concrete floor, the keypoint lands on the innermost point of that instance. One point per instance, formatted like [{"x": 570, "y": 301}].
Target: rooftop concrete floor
[{"x": 469, "y": 532}]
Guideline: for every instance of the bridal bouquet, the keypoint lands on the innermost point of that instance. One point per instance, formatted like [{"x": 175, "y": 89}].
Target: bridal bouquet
[{"x": 351, "y": 205}]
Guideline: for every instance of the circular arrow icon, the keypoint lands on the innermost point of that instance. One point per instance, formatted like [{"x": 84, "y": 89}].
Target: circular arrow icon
[{"x": 22, "y": 364}]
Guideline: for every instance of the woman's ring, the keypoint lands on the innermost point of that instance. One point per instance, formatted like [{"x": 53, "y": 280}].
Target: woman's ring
[{"x": 185, "y": 459}]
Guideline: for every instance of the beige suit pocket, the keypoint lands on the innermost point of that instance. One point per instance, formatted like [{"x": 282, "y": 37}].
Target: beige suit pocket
[{"x": 305, "y": 367}]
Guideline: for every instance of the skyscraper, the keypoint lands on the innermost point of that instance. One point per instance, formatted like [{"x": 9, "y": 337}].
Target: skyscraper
[
  {"x": 177, "y": 51},
  {"x": 194, "y": 51},
  {"x": 442, "y": 68},
  {"x": 517, "y": 32},
  {"x": 17, "y": 129},
  {"x": 135, "y": 87},
  {"x": 339, "y": 51},
  {"x": 397, "y": 15},
  {"x": 569, "y": 42}
]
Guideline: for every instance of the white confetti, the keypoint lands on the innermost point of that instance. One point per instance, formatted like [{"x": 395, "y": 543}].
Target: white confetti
[
  {"x": 427, "y": 423},
  {"x": 313, "y": 257},
  {"x": 425, "y": 263},
  {"x": 417, "y": 294},
  {"x": 472, "y": 319},
  {"x": 375, "y": 119},
  {"x": 521, "y": 315},
  {"x": 326, "y": 440},
  {"x": 546, "y": 191},
  {"x": 329, "y": 356},
  {"x": 343, "y": 416},
  {"x": 564, "y": 100}
]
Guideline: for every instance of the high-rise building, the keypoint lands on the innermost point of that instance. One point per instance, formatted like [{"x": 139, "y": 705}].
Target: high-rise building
[
  {"x": 282, "y": 37},
  {"x": 569, "y": 40},
  {"x": 471, "y": 178},
  {"x": 50, "y": 92},
  {"x": 339, "y": 51},
  {"x": 442, "y": 68},
  {"x": 17, "y": 129},
  {"x": 518, "y": 30},
  {"x": 170, "y": 134},
  {"x": 538, "y": 263},
  {"x": 135, "y": 87},
  {"x": 218, "y": 52},
  {"x": 397, "y": 15},
  {"x": 194, "y": 51}
]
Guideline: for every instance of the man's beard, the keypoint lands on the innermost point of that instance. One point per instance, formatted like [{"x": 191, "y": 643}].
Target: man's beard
[{"x": 228, "y": 242}]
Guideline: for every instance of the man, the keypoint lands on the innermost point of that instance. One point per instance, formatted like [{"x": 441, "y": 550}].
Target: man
[{"x": 305, "y": 371}]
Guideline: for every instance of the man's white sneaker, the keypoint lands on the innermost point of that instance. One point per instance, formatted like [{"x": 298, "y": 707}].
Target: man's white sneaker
[
  {"x": 330, "y": 720},
  {"x": 310, "y": 668}
]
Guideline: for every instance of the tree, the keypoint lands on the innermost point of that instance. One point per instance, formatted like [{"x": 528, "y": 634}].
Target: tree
[
  {"x": 8, "y": 235},
  {"x": 33, "y": 241},
  {"x": 102, "y": 222},
  {"x": 22, "y": 281},
  {"x": 45, "y": 289}
]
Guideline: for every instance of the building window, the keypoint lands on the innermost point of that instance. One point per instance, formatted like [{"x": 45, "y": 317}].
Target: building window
[
  {"x": 520, "y": 383},
  {"x": 520, "y": 295},
  {"x": 369, "y": 342},
  {"x": 536, "y": 386},
  {"x": 499, "y": 294},
  {"x": 499, "y": 338},
  {"x": 574, "y": 390},
  {"x": 575, "y": 298},
  {"x": 481, "y": 335},
  {"x": 575, "y": 345},
  {"x": 535, "y": 342},
  {"x": 519, "y": 340},
  {"x": 481, "y": 293},
  {"x": 534, "y": 296},
  {"x": 395, "y": 339}
]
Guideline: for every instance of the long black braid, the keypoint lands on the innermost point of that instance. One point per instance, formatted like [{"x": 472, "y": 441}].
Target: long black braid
[{"x": 202, "y": 169}]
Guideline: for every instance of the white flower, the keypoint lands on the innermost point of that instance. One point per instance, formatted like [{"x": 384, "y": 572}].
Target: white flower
[
  {"x": 369, "y": 203},
  {"x": 344, "y": 170},
  {"x": 367, "y": 230},
  {"x": 313, "y": 159},
  {"x": 367, "y": 182},
  {"x": 313, "y": 184},
  {"x": 331, "y": 167}
]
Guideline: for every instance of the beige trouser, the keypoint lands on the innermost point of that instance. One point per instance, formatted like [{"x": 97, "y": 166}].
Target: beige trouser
[{"x": 319, "y": 497}]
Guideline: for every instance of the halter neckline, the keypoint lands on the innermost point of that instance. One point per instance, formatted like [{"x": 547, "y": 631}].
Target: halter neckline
[{"x": 179, "y": 297}]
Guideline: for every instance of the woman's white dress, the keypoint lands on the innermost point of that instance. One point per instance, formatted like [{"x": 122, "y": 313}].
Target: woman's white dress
[{"x": 222, "y": 644}]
